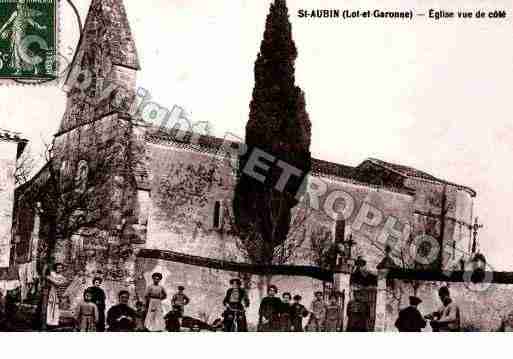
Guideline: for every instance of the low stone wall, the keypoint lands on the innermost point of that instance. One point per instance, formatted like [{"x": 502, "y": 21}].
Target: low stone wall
[
  {"x": 207, "y": 287},
  {"x": 482, "y": 306}
]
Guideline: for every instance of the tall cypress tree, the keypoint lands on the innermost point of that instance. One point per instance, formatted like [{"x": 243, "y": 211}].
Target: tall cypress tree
[{"x": 279, "y": 125}]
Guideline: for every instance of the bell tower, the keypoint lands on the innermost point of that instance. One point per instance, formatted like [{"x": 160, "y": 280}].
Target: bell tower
[
  {"x": 92, "y": 152},
  {"x": 103, "y": 72}
]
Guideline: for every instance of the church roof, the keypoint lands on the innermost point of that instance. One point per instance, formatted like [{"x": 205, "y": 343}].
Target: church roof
[
  {"x": 10, "y": 136},
  {"x": 410, "y": 172},
  {"x": 211, "y": 144},
  {"x": 333, "y": 169},
  {"x": 6, "y": 135},
  {"x": 319, "y": 167}
]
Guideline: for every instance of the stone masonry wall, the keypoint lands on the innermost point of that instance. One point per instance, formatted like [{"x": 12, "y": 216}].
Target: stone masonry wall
[
  {"x": 458, "y": 217},
  {"x": 206, "y": 288},
  {"x": 185, "y": 187},
  {"x": 187, "y": 183}
]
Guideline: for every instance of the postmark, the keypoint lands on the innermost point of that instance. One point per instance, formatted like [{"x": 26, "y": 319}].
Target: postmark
[{"x": 28, "y": 40}]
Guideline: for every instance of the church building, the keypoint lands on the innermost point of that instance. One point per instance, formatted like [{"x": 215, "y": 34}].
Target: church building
[{"x": 117, "y": 187}]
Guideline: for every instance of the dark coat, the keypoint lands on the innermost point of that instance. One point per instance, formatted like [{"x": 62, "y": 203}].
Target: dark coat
[
  {"x": 173, "y": 321},
  {"x": 410, "y": 320},
  {"x": 357, "y": 316},
  {"x": 286, "y": 315},
  {"x": 243, "y": 298},
  {"x": 298, "y": 313},
  {"x": 121, "y": 325},
  {"x": 269, "y": 314},
  {"x": 98, "y": 298}
]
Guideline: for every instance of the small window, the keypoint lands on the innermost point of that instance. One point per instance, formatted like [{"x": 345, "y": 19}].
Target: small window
[
  {"x": 217, "y": 215},
  {"x": 453, "y": 249}
]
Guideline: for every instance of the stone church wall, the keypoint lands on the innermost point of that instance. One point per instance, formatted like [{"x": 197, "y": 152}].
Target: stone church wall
[
  {"x": 185, "y": 187},
  {"x": 374, "y": 217},
  {"x": 95, "y": 171},
  {"x": 186, "y": 184},
  {"x": 458, "y": 217}
]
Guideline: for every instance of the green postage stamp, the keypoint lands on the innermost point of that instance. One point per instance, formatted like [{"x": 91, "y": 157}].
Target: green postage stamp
[{"x": 28, "y": 39}]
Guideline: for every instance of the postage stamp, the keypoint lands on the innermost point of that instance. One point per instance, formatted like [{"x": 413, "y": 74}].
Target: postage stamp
[{"x": 28, "y": 39}]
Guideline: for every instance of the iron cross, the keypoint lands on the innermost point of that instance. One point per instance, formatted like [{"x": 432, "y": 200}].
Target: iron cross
[{"x": 476, "y": 227}]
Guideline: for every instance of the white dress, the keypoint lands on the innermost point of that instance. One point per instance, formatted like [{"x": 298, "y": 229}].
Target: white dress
[
  {"x": 155, "y": 315},
  {"x": 52, "y": 312}
]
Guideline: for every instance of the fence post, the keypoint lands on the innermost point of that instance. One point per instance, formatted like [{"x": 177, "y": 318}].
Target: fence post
[{"x": 381, "y": 301}]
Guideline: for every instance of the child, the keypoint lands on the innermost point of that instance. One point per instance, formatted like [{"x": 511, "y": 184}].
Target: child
[
  {"x": 173, "y": 319},
  {"x": 180, "y": 299},
  {"x": 155, "y": 294},
  {"x": 318, "y": 313},
  {"x": 87, "y": 314},
  {"x": 140, "y": 315},
  {"x": 333, "y": 318},
  {"x": 298, "y": 313}
]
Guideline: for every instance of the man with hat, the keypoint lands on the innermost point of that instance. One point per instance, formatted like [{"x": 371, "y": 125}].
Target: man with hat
[
  {"x": 235, "y": 301},
  {"x": 448, "y": 317},
  {"x": 358, "y": 313},
  {"x": 410, "y": 319},
  {"x": 98, "y": 298}
]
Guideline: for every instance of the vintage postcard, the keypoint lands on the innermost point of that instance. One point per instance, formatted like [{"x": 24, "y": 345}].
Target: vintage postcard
[{"x": 256, "y": 166}]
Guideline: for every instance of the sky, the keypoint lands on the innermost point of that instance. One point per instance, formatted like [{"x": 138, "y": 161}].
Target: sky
[{"x": 430, "y": 94}]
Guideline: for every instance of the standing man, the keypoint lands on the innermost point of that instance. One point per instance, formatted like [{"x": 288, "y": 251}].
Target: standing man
[
  {"x": 180, "y": 299},
  {"x": 98, "y": 298},
  {"x": 410, "y": 319},
  {"x": 334, "y": 315},
  {"x": 447, "y": 318},
  {"x": 317, "y": 313},
  {"x": 299, "y": 312},
  {"x": 235, "y": 301},
  {"x": 269, "y": 312},
  {"x": 357, "y": 314}
]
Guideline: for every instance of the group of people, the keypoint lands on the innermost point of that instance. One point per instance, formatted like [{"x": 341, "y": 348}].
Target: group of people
[
  {"x": 275, "y": 314},
  {"x": 147, "y": 316},
  {"x": 283, "y": 314},
  {"x": 445, "y": 319}
]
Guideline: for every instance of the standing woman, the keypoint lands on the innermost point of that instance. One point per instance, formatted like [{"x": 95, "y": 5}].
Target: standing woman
[
  {"x": 155, "y": 294},
  {"x": 55, "y": 280}
]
